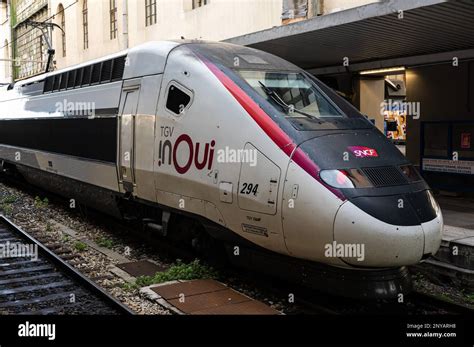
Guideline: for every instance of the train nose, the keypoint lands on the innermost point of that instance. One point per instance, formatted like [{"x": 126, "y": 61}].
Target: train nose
[{"x": 389, "y": 230}]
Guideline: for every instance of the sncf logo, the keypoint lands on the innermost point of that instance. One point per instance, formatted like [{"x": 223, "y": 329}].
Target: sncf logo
[{"x": 363, "y": 152}]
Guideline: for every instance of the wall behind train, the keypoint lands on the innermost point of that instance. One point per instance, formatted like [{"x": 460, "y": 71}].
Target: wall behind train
[
  {"x": 5, "y": 43},
  {"x": 88, "y": 25},
  {"x": 192, "y": 19},
  {"x": 216, "y": 20}
]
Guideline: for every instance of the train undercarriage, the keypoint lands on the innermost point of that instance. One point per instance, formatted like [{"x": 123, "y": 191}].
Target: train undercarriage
[{"x": 218, "y": 245}]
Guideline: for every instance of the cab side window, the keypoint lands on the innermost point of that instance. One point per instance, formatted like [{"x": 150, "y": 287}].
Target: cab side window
[{"x": 177, "y": 99}]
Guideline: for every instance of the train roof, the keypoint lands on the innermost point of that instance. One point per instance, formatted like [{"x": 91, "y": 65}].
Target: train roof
[
  {"x": 142, "y": 60},
  {"x": 158, "y": 50},
  {"x": 145, "y": 59}
]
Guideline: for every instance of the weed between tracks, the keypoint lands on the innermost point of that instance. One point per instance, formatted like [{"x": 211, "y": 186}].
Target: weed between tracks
[
  {"x": 6, "y": 204},
  {"x": 80, "y": 246},
  {"x": 105, "y": 242},
  {"x": 40, "y": 204},
  {"x": 9, "y": 199}
]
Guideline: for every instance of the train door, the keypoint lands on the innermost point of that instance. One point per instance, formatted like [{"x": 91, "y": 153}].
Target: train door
[{"x": 126, "y": 160}]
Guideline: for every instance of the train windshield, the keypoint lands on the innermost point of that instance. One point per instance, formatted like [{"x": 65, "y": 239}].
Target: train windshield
[
  {"x": 296, "y": 100},
  {"x": 292, "y": 92}
]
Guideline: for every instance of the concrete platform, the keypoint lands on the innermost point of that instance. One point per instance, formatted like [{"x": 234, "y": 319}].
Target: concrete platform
[
  {"x": 458, "y": 236},
  {"x": 458, "y": 212},
  {"x": 199, "y": 297},
  {"x": 455, "y": 259}
]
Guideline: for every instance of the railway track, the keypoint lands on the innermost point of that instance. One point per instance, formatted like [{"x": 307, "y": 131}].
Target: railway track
[
  {"x": 432, "y": 302},
  {"x": 308, "y": 301},
  {"x": 34, "y": 280},
  {"x": 416, "y": 303}
]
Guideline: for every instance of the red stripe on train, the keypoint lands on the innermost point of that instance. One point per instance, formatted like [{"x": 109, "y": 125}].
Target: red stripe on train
[{"x": 278, "y": 136}]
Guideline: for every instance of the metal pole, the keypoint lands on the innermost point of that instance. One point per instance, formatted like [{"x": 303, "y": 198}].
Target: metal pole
[
  {"x": 125, "y": 23},
  {"x": 22, "y": 61}
]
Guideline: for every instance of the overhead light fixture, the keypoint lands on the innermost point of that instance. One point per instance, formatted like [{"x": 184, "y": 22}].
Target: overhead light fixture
[{"x": 383, "y": 71}]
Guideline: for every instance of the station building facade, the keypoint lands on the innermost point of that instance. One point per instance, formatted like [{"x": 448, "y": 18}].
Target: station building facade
[
  {"x": 5, "y": 43},
  {"x": 94, "y": 28}
]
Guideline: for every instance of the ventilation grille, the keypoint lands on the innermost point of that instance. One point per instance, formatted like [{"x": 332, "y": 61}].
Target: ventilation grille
[
  {"x": 63, "y": 83},
  {"x": 49, "y": 84},
  {"x": 77, "y": 81},
  {"x": 71, "y": 79},
  {"x": 86, "y": 76},
  {"x": 385, "y": 176},
  {"x": 104, "y": 72},
  {"x": 119, "y": 66},
  {"x": 95, "y": 74}
]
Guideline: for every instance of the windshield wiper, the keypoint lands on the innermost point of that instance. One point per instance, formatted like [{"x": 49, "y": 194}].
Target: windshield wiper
[{"x": 277, "y": 98}]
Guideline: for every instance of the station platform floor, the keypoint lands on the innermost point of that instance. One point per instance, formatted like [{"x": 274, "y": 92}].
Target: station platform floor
[
  {"x": 458, "y": 214},
  {"x": 454, "y": 261}
]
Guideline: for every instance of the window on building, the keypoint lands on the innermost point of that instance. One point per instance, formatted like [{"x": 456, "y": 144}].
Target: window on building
[
  {"x": 85, "y": 25},
  {"x": 199, "y": 3},
  {"x": 62, "y": 16},
  {"x": 4, "y": 11},
  {"x": 150, "y": 12},
  {"x": 113, "y": 19},
  {"x": 29, "y": 42}
]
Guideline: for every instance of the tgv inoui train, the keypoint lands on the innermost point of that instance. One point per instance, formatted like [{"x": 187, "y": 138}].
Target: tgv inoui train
[{"x": 257, "y": 154}]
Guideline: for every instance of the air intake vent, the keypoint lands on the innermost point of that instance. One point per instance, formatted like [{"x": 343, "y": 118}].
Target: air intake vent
[
  {"x": 119, "y": 66},
  {"x": 48, "y": 84},
  {"x": 385, "y": 176},
  {"x": 71, "y": 79},
  {"x": 106, "y": 71},
  {"x": 86, "y": 76},
  {"x": 57, "y": 79},
  {"x": 103, "y": 72},
  {"x": 63, "y": 84},
  {"x": 95, "y": 73},
  {"x": 77, "y": 82}
]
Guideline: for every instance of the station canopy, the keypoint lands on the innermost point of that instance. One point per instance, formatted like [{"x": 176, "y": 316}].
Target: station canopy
[{"x": 377, "y": 35}]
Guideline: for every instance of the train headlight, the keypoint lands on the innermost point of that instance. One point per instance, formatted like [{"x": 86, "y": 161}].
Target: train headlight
[
  {"x": 347, "y": 178},
  {"x": 433, "y": 202},
  {"x": 410, "y": 172}
]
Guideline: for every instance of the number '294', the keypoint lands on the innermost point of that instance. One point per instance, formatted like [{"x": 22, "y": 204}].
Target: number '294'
[{"x": 249, "y": 188}]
